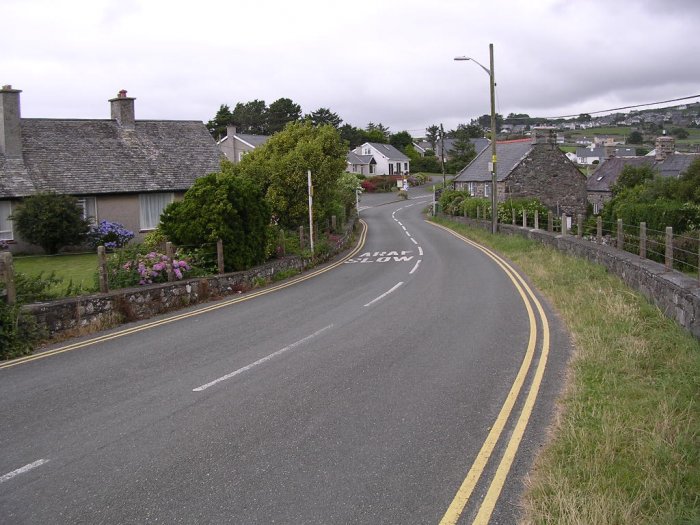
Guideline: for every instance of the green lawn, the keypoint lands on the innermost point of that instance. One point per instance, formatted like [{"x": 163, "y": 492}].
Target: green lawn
[{"x": 79, "y": 268}]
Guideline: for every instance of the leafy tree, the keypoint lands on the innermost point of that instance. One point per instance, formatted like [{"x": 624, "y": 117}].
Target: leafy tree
[
  {"x": 352, "y": 135},
  {"x": 221, "y": 206},
  {"x": 462, "y": 152},
  {"x": 280, "y": 112},
  {"x": 584, "y": 117},
  {"x": 632, "y": 176},
  {"x": 688, "y": 187},
  {"x": 377, "y": 133},
  {"x": 324, "y": 116},
  {"x": 51, "y": 221},
  {"x": 432, "y": 133},
  {"x": 466, "y": 131},
  {"x": 680, "y": 133},
  {"x": 635, "y": 138},
  {"x": 250, "y": 117},
  {"x": 485, "y": 122},
  {"x": 401, "y": 140},
  {"x": 217, "y": 125},
  {"x": 280, "y": 165}
]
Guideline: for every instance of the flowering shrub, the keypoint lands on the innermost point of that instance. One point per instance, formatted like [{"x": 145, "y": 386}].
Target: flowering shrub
[
  {"x": 109, "y": 234},
  {"x": 131, "y": 267}
]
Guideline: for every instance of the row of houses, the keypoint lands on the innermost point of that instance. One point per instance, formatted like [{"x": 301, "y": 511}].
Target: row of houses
[{"x": 127, "y": 170}]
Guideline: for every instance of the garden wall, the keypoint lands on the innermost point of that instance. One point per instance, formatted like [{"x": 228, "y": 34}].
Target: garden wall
[
  {"x": 84, "y": 314},
  {"x": 675, "y": 294}
]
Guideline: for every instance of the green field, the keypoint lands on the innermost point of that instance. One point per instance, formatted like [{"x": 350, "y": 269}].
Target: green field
[{"x": 79, "y": 269}]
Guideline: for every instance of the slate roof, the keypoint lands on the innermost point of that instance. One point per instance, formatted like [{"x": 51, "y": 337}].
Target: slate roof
[
  {"x": 676, "y": 163},
  {"x": 608, "y": 172},
  {"x": 509, "y": 155},
  {"x": 254, "y": 140},
  {"x": 388, "y": 151},
  {"x": 354, "y": 158},
  {"x": 90, "y": 157}
]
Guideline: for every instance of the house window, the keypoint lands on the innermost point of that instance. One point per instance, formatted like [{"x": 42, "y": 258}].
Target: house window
[
  {"x": 398, "y": 167},
  {"x": 596, "y": 208},
  {"x": 5, "y": 223},
  {"x": 366, "y": 151},
  {"x": 371, "y": 169},
  {"x": 89, "y": 207},
  {"x": 391, "y": 169},
  {"x": 487, "y": 189},
  {"x": 405, "y": 167},
  {"x": 471, "y": 189},
  {"x": 151, "y": 205}
]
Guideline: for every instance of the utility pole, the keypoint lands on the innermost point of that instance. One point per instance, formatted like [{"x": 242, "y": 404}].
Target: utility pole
[
  {"x": 494, "y": 180},
  {"x": 311, "y": 213},
  {"x": 442, "y": 153}
]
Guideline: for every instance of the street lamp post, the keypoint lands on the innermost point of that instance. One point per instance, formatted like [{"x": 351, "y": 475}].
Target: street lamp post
[{"x": 494, "y": 187}]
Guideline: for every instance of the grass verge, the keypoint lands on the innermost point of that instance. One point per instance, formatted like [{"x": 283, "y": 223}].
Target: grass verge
[{"x": 625, "y": 447}]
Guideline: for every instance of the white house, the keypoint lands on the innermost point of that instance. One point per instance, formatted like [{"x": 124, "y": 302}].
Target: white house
[{"x": 387, "y": 159}]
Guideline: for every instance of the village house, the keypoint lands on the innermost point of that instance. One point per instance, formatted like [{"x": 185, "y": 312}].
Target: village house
[
  {"x": 663, "y": 159},
  {"x": 120, "y": 169},
  {"x": 374, "y": 158},
  {"x": 528, "y": 168},
  {"x": 234, "y": 145}
]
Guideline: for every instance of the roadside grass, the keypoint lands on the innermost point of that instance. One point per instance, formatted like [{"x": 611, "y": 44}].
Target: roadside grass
[
  {"x": 625, "y": 446},
  {"x": 76, "y": 271}
]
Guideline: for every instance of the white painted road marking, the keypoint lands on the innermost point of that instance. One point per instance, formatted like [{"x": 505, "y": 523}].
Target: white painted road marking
[
  {"x": 415, "y": 267},
  {"x": 412, "y": 239},
  {"x": 420, "y": 251},
  {"x": 22, "y": 470},
  {"x": 384, "y": 294},
  {"x": 261, "y": 361}
]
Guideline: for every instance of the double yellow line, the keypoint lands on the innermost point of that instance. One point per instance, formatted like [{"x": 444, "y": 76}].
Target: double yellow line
[
  {"x": 200, "y": 311},
  {"x": 454, "y": 511}
]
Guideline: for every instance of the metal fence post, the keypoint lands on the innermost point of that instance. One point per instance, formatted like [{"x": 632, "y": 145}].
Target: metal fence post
[
  {"x": 669, "y": 248},
  {"x": 620, "y": 235},
  {"x": 102, "y": 269},
  {"x": 643, "y": 240},
  {"x": 524, "y": 219},
  {"x": 537, "y": 219},
  {"x": 220, "y": 255},
  {"x": 9, "y": 278}
]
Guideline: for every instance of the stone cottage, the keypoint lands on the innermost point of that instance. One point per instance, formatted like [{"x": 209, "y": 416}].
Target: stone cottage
[
  {"x": 121, "y": 169},
  {"x": 533, "y": 167}
]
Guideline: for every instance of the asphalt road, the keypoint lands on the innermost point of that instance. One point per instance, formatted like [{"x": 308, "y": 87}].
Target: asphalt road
[{"x": 370, "y": 393}]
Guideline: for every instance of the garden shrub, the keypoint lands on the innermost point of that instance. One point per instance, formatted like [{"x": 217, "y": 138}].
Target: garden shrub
[
  {"x": 222, "y": 206},
  {"x": 51, "y": 221},
  {"x": 134, "y": 265},
  {"x": 472, "y": 204},
  {"x": 505, "y": 210},
  {"x": 109, "y": 234}
]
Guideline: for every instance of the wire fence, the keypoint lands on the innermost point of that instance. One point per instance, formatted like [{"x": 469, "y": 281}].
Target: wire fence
[{"x": 676, "y": 251}]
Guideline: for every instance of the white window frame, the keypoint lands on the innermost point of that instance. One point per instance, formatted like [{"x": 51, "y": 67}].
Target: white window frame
[
  {"x": 89, "y": 207},
  {"x": 471, "y": 189},
  {"x": 6, "y": 228},
  {"x": 487, "y": 189},
  {"x": 151, "y": 206}
]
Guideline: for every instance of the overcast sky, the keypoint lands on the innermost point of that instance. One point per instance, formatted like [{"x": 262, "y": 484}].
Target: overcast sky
[{"x": 388, "y": 61}]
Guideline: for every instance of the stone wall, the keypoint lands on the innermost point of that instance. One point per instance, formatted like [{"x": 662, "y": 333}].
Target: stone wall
[
  {"x": 84, "y": 314},
  {"x": 675, "y": 294}
]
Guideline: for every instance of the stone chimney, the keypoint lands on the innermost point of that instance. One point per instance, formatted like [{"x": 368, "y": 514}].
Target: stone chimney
[
  {"x": 10, "y": 128},
  {"x": 123, "y": 110},
  {"x": 609, "y": 151},
  {"x": 544, "y": 135},
  {"x": 230, "y": 131},
  {"x": 665, "y": 146}
]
